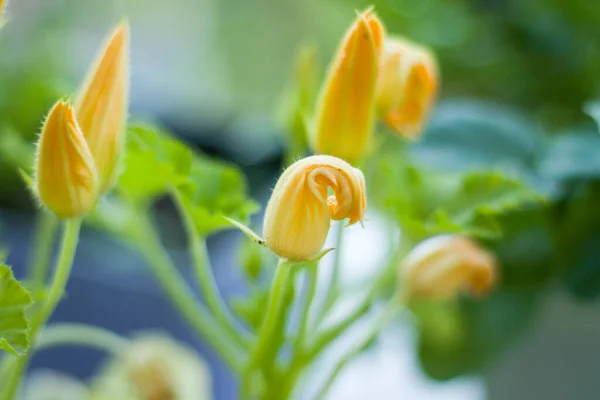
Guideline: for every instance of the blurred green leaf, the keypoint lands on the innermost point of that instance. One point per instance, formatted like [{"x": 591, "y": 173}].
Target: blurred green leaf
[
  {"x": 209, "y": 189},
  {"x": 572, "y": 155},
  {"x": 526, "y": 251},
  {"x": 153, "y": 163},
  {"x": 14, "y": 300},
  {"x": 592, "y": 108},
  {"x": 579, "y": 236},
  {"x": 212, "y": 191},
  {"x": 462, "y": 337},
  {"x": 428, "y": 203},
  {"x": 466, "y": 134}
]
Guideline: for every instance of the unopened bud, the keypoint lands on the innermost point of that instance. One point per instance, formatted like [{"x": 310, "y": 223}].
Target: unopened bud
[
  {"x": 101, "y": 105},
  {"x": 298, "y": 215},
  {"x": 407, "y": 86},
  {"x": 65, "y": 175},
  {"x": 346, "y": 109},
  {"x": 443, "y": 266}
]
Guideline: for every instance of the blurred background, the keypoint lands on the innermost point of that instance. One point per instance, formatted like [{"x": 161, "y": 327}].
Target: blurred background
[{"x": 519, "y": 83}]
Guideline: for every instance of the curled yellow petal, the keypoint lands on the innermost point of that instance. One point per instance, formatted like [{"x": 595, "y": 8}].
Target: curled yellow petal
[
  {"x": 65, "y": 175},
  {"x": 346, "y": 108},
  {"x": 443, "y": 266},
  {"x": 407, "y": 87},
  {"x": 298, "y": 214},
  {"x": 101, "y": 105}
]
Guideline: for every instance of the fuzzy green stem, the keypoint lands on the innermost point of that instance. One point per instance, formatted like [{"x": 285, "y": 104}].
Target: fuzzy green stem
[
  {"x": 268, "y": 326},
  {"x": 180, "y": 294},
  {"x": 82, "y": 335},
  {"x": 45, "y": 230},
  {"x": 206, "y": 279},
  {"x": 57, "y": 289}
]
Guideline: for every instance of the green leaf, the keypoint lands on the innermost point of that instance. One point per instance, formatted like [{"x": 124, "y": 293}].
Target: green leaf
[
  {"x": 572, "y": 155},
  {"x": 592, "y": 109},
  {"x": 212, "y": 191},
  {"x": 153, "y": 163},
  {"x": 463, "y": 337},
  {"x": 464, "y": 134},
  {"x": 427, "y": 203},
  {"x": 14, "y": 300}
]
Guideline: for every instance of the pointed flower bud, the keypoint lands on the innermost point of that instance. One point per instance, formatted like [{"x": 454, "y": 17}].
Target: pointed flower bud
[
  {"x": 346, "y": 108},
  {"x": 407, "y": 86},
  {"x": 101, "y": 105},
  {"x": 443, "y": 266},
  {"x": 65, "y": 175},
  {"x": 298, "y": 214}
]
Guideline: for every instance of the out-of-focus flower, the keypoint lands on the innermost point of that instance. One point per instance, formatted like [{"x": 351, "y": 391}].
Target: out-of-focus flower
[
  {"x": 65, "y": 175},
  {"x": 101, "y": 105},
  {"x": 51, "y": 385},
  {"x": 2, "y": 13},
  {"x": 154, "y": 367},
  {"x": 443, "y": 266},
  {"x": 346, "y": 109},
  {"x": 298, "y": 215},
  {"x": 407, "y": 87}
]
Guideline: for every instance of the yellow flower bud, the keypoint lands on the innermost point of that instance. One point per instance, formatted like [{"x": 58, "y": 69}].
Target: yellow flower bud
[
  {"x": 407, "y": 86},
  {"x": 346, "y": 108},
  {"x": 443, "y": 266},
  {"x": 298, "y": 215},
  {"x": 101, "y": 105},
  {"x": 65, "y": 175}
]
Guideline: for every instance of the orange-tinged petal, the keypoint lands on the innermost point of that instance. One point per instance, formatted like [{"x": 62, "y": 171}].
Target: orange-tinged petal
[
  {"x": 65, "y": 175},
  {"x": 443, "y": 266},
  {"x": 101, "y": 105},
  {"x": 407, "y": 87},
  {"x": 346, "y": 108},
  {"x": 298, "y": 214}
]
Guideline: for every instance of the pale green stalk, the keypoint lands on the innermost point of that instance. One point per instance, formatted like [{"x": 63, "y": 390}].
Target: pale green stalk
[
  {"x": 82, "y": 335},
  {"x": 46, "y": 226},
  {"x": 182, "y": 297},
  {"x": 206, "y": 279},
  {"x": 57, "y": 288}
]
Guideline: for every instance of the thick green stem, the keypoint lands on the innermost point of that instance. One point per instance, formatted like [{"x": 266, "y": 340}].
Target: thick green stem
[
  {"x": 269, "y": 324},
  {"x": 82, "y": 335},
  {"x": 180, "y": 294},
  {"x": 45, "y": 230},
  {"x": 57, "y": 289},
  {"x": 206, "y": 279},
  {"x": 384, "y": 319}
]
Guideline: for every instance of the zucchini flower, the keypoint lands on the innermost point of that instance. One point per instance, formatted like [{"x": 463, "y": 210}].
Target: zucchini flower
[
  {"x": 407, "y": 86},
  {"x": 346, "y": 108},
  {"x": 154, "y": 367},
  {"x": 298, "y": 215},
  {"x": 101, "y": 105},
  {"x": 65, "y": 176},
  {"x": 443, "y": 266}
]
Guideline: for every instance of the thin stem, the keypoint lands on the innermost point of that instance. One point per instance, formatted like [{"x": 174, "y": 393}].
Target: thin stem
[
  {"x": 149, "y": 245},
  {"x": 311, "y": 279},
  {"x": 334, "y": 283},
  {"x": 57, "y": 289},
  {"x": 45, "y": 230},
  {"x": 269, "y": 323},
  {"x": 82, "y": 335},
  {"x": 206, "y": 279},
  {"x": 384, "y": 319}
]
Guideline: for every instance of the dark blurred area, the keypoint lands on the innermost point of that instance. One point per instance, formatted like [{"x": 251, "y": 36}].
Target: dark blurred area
[{"x": 519, "y": 81}]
